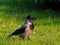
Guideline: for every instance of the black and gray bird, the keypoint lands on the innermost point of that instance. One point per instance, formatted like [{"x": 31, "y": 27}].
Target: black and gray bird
[{"x": 26, "y": 29}]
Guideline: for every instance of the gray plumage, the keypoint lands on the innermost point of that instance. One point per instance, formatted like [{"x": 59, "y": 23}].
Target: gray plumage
[{"x": 26, "y": 29}]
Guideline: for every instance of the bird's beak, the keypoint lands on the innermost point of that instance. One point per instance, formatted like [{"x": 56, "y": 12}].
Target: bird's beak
[{"x": 34, "y": 18}]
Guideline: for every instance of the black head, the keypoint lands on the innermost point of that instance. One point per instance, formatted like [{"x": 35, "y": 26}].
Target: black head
[{"x": 30, "y": 17}]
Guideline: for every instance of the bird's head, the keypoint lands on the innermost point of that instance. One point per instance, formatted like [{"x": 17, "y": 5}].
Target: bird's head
[{"x": 29, "y": 17}]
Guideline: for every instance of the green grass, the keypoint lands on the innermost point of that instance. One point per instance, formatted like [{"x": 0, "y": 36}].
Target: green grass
[{"x": 46, "y": 31}]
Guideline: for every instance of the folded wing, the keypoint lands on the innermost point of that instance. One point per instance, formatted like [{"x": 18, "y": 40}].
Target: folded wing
[{"x": 19, "y": 31}]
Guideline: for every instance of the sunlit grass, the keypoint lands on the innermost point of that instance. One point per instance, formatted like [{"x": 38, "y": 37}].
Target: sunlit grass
[{"x": 46, "y": 32}]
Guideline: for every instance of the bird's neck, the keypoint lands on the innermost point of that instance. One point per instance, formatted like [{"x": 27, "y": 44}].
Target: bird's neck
[{"x": 29, "y": 22}]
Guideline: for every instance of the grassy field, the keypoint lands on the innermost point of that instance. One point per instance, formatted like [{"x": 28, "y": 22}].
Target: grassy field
[{"x": 46, "y": 31}]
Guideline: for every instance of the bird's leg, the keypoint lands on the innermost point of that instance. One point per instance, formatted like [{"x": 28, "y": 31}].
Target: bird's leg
[{"x": 29, "y": 39}]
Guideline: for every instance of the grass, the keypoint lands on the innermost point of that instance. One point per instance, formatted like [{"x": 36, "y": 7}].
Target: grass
[{"x": 46, "y": 31}]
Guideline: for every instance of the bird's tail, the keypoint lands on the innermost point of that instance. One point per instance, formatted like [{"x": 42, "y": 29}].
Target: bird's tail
[{"x": 10, "y": 35}]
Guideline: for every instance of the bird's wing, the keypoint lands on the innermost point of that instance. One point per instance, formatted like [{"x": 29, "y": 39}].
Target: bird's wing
[{"x": 20, "y": 30}]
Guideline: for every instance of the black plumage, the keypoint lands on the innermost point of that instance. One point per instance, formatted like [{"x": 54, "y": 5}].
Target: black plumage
[{"x": 18, "y": 31}]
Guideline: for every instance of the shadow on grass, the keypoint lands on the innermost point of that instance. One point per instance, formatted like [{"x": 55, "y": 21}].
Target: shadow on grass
[{"x": 18, "y": 8}]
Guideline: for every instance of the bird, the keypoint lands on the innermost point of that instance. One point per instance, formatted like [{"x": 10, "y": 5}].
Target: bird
[{"x": 26, "y": 29}]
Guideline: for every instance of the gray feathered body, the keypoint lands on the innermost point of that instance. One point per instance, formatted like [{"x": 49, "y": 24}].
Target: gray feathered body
[{"x": 25, "y": 31}]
